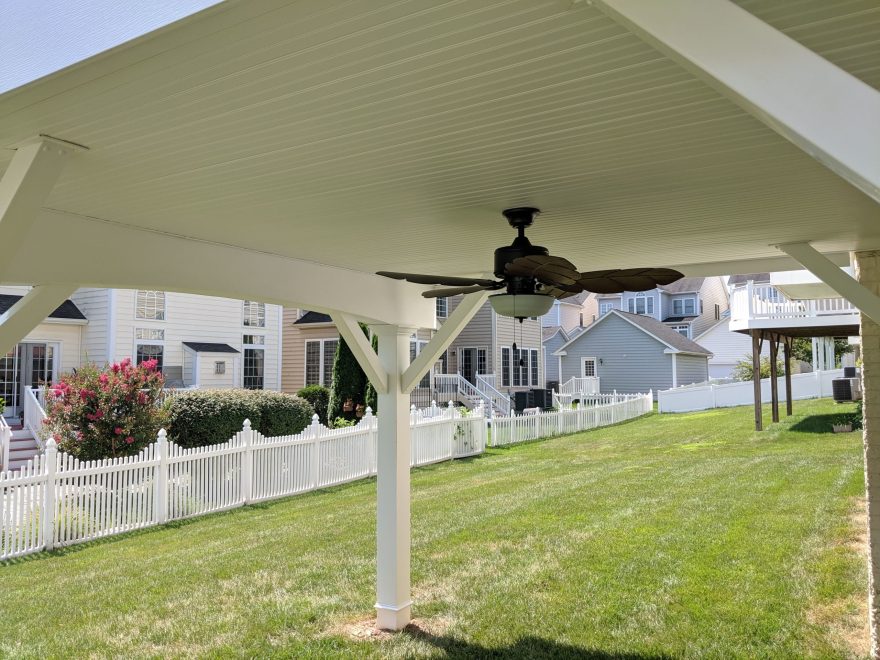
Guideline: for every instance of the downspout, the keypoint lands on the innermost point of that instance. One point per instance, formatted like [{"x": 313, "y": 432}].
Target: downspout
[{"x": 111, "y": 325}]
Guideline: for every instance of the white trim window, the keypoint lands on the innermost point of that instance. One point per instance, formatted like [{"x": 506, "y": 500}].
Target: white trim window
[
  {"x": 442, "y": 307},
  {"x": 533, "y": 367},
  {"x": 254, "y": 314},
  {"x": 605, "y": 307},
  {"x": 505, "y": 366},
  {"x": 149, "y": 344},
  {"x": 253, "y": 375},
  {"x": 684, "y": 307},
  {"x": 150, "y": 305},
  {"x": 641, "y": 304},
  {"x": 683, "y": 330},
  {"x": 588, "y": 367},
  {"x": 320, "y": 354}
]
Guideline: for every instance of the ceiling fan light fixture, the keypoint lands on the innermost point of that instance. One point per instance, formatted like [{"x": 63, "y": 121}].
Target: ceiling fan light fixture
[{"x": 521, "y": 306}]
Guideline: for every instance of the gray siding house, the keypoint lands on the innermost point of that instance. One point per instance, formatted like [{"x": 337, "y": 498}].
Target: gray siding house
[
  {"x": 632, "y": 353},
  {"x": 554, "y": 338}
]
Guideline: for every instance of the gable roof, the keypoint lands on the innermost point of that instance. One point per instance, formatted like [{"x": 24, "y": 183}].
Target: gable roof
[
  {"x": 551, "y": 331},
  {"x": 684, "y": 285},
  {"x": 676, "y": 342},
  {"x": 66, "y": 310},
  {"x": 209, "y": 347},
  {"x": 313, "y": 317}
]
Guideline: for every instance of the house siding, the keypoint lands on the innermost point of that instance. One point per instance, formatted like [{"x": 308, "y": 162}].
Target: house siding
[
  {"x": 190, "y": 317},
  {"x": 551, "y": 362},
  {"x": 294, "y": 357},
  {"x": 476, "y": 334},
  {"x": 712, "y": 292},
  {"x": 527, "y": 336},
  {"x": 691, "y": 369},
  {"x": 728, "y": 348},
  {"x": 67, "y": 337},
  {"x": 632, "y": 361},
  {"x": 94, "y": 304}
]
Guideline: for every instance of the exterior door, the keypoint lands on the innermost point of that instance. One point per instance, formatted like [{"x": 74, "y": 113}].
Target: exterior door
[
  {"x": 467, "y": 363},
  {"x": 588, "y": 367},
  {"x": 10, "y": 381}
]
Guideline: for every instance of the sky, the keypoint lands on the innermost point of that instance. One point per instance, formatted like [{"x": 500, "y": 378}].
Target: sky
[{"x": 38, "y": 37}]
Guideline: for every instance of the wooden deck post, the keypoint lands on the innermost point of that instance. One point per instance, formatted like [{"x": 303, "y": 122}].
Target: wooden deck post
[
  {"x": 756, "y": 377},
  {"x": 786, "y": 347},
  {"x": 774, "y": 376}
]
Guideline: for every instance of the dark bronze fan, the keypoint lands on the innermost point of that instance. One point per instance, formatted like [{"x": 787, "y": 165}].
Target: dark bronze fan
[{"x": 533, "y": 277}]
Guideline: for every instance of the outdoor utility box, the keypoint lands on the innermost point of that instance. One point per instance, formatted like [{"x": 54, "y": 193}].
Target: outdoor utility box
[
  {"x": 523, "y": 400},
  {"x": 849, "y": 372},
  {"x": 553, "y": 385},
  {"x": 543, "y": 398},
  {"x": 846, "y": 389}
]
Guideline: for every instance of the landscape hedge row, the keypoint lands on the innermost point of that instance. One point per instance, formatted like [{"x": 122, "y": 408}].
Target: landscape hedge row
[{"x": 205, "y": 417}]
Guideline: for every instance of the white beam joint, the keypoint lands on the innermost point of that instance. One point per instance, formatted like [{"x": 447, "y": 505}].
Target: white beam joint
[
  {"x": 827, "y": 271},
  {"x": 821, "y": 108},
  {"x": 25, "y": 315},
  {"x": 26, "y": 184},
  {"x": 447, "y": 333},
  {"x": 362, "y": 350}
]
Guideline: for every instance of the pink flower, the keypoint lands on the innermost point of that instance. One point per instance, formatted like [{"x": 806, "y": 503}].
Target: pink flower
[
  {"x": 129, "y": 440},
  {"x": 118, "y": 430},
  {"x": 104, "y": 378}
]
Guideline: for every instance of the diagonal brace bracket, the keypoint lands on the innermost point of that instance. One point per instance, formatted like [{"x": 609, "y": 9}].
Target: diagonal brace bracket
[
  {"x": 362, "y": 350},
  {"x": 29, "y": 312},
  {"x": 848, "y": 287}
]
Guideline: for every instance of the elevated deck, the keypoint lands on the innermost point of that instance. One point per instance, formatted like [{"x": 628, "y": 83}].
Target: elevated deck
[{"x": 764, "y": 307}]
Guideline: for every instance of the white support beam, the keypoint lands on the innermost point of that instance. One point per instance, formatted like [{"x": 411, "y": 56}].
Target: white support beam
[
  {"x": 821, "y": 108},
  {"x": 97, "y": 253},
  {"x": 362, "y": 350},
  {"x": 29, "y": 312},
  {"x": 447, "y": 333},
  {"x": 393, "y": 597},
  {"x": 26, "y": 183},
  {"x": 848, "y": 287}
]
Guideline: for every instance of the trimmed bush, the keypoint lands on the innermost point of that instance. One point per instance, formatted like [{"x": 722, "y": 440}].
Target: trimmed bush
[
  {"x": 318, "y": 396},
  {"x": 206, "y": 417}
]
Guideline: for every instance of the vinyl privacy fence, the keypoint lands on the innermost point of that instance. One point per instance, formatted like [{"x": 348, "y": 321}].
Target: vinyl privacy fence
[{"x": 58, "y": 500}]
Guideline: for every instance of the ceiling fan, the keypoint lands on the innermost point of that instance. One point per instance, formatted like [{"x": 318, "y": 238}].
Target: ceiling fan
[{"x": 534, "y": 278}]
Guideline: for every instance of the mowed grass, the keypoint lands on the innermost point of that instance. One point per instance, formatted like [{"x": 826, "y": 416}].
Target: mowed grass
[{"x": 669, "y": 536}]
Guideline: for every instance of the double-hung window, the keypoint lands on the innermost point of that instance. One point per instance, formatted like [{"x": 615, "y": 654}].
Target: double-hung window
[
  {"x": 684, "y": 307},
  {"x": 442, "y": 307},
  {"x": 533, "y": 367},
  {"x": 320, "y": 354},
  {"x": 605, "y": 307},
  {"x": 149, "y": 344},
  {"x": 150, "y": 305},
  {"x": 254, "y": 314},
  {"x": 684, "y": 330},
  {"x": 253, "y": 373},
  {"x": 641, "y": 305},
  {"x": 505, "y": 366}
]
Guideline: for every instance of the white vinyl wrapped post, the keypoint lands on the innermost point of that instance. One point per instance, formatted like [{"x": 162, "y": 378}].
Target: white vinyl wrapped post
[
  {"x": 47, "y": 513},
  {"x": 160, "y": 496},
  {"x": 247, "y": 462},
  {"x": 314, "y": 434},
  {"x": 393, "y": 599}
]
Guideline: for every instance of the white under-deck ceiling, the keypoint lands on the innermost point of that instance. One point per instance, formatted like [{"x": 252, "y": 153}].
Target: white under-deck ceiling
[{"x": 390, "y": 136}]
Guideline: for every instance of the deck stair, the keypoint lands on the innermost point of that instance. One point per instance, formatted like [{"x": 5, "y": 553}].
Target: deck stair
[
  {"x": 455, "y": 387},
  {"x": 22, "y": 445}
]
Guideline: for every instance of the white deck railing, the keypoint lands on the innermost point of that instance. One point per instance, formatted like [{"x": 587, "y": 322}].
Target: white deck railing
[
  {"x": 604, "y": 410},
  {"x": 5, "y": 439},
  {"x": 57, "y": 499},
  {"x": 763, "y": 301},
  {"x": 486, "y": 386},
  {"x": 33, "y": 414},
  {"x": 577, "y": 388}
]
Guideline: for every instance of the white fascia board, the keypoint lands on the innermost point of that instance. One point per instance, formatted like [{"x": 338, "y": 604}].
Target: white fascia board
[
  {"x": 54, "y": 321},
  {"x": 827, "y": 112},
  {"x": 97, "y": 253}
]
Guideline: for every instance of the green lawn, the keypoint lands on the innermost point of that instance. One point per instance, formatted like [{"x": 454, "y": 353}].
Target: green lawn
[{"x": 669, "y": 536}]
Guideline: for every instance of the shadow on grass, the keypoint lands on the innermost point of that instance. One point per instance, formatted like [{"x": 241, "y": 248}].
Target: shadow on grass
[
  {"x": 823, "y": 423},
  {"x": 534, "y": 648}
]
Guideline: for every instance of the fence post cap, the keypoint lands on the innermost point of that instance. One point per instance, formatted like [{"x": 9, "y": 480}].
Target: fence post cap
[
  {"x": 163, "y": 434},
  {"x": 368, "y": 411},
  {"x": 51, "y": 445},
  {"x": 434, "y": 402},
  {"x": 247, "y": 425},
  {"x": 315, "y": 419},
  {"x": 449, "y": 405}
]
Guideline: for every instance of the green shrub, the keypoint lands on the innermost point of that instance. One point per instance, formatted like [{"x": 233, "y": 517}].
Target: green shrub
[
  {"x": 206, "y": 417},
  {"x": 318, "y": 396},
  {"x": 349, "y": 383},
  {"x": 342, "y": 423},
  {"x": 371, "y": 397}
]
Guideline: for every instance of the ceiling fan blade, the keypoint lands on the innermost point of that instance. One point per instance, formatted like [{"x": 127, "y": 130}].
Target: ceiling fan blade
[
  {"x": 448, "y": 280},
  {"x": 457, "y": 291},
  {"x": 560, "y": 293},
  {"x": 545, "y": 268},
  {"x": 627, "y": 279}
]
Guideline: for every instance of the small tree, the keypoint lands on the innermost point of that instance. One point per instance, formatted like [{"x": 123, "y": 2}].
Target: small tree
[
  {"x": 348, "y": 385},
  {"x": 102, "y": 413},
  {"x": 743, "y": 369},
  {"x": 802, "y": 349}
]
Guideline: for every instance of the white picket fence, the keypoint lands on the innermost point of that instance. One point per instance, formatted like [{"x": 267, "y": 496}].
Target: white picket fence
[
  {"x": 58, "y": 500},
  {"x": 602, "y": 410},
  {"x": 689, "y": 398}
]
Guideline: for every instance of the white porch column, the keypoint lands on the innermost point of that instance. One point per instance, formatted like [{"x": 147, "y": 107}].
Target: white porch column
[
  {"x": 867, "y": 266},
  {"x": 393, "y": 600}
]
